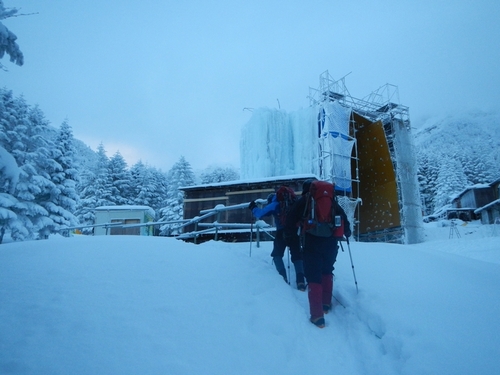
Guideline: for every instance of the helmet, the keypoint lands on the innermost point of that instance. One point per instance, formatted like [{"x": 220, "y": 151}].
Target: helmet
[{"x": 306, "y": 185}]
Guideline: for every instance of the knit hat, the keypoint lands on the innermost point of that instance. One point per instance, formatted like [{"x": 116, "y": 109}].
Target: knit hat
[{"x": 306, "y": 185}]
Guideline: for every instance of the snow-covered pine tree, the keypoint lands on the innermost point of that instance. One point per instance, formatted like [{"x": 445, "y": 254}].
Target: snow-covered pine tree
[
  {"x": 478, "y": 168},
  {"x": 215, "y": 174},
  {"x": 427, "y": 177},
  {"x": 179, "y": 175},
  {"x": 31, "y": 148},
  {"x": 9, "y": 175},
  {"x": 103, "y": 179},
  {"x": 87, "y": 199},
  {"x": 8, "y": 118},
  {"x": 9, "y": 170},
  {"x": 121, "y": 181},
  {"x": 95, "y": 190},
  {"x": 150, "y": 186},
  {"x": 8, "y": 39},
  {"x": 160, "y": 191},
  {"x": 143, "y": 189},
  {"x": 423, "y": 181},
  {"x": 451, "y": 180},
  {"x": 65, "y": 177}
]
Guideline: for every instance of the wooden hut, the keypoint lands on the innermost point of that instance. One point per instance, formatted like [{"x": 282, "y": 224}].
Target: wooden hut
[
  {"x": 204, "y": 197},
  {"x": 465, "y": 204},
  {"x": 490, "y": 212}
]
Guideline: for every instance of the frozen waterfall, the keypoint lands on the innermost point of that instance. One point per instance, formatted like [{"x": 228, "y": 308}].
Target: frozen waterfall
[{"x": 313, "y": 140}]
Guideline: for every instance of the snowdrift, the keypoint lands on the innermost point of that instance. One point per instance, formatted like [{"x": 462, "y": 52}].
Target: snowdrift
[{"x": 150, "y": 305}]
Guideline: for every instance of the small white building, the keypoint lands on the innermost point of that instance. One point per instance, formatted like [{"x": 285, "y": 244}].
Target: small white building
[{"x": 124, "y": 220}]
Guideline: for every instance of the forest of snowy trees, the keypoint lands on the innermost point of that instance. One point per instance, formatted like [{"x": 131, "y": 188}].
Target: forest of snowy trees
[{"x": 50, "y": 181}]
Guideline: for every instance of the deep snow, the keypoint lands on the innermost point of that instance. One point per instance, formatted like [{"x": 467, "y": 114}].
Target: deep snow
[{"x": 151, "y": 305}]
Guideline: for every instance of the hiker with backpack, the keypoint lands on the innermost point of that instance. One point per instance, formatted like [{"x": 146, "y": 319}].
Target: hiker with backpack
[
  {"x": 278, "y": 206},
  {"x": 314, "y": 216}
]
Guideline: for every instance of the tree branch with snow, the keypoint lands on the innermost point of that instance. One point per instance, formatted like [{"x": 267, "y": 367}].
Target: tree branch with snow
[{"x": 8, "y": 39}]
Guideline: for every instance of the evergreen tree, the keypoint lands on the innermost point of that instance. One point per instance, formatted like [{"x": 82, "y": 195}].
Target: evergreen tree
[
  {"x": 42, "y": 157},
  {"x": 103, "y": 183},
  {"x": 179, "y": 176},
  {"x": 427, "y": 176},
  {"x": 150, "y": 186},
  {"x": 87, "y": 200},
  {"x": 143, "y": 189},
  {"x": 4, "y": 118},
  {"x": 8, "y": 118},
  {"x": 64, "y": 197},
  {"x": 218, "y": 174},
  {"x": 8, "y": 39},
  {"x": 161, "y": 189},
  {"x": 478, "y": 168},
  {"x": 9, "y": 175},
  {"x": 95, "y": 190},
  {"x": 32, "y": 151},
  {"x": 423, "y": 182},
  {"x": 451, "y": 180},
  {"x": 121, "y": 181},
  {"x": 9, "y": 170}
]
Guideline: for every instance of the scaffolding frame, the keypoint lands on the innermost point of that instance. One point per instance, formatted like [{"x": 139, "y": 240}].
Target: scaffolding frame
[
  {"x": 331, "y": 90},
  {"x": 382, "y": 105}
]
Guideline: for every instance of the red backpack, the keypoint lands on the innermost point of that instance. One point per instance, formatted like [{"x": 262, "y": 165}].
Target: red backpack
[
  {"x": 286, "y": 198},
  {"x": 320, "y": 218}
]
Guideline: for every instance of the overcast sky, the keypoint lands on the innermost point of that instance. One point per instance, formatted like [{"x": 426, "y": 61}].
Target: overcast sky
[{"x": 157, "y": 79}]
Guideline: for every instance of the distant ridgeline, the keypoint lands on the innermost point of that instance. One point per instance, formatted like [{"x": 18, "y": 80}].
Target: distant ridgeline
[{"x": 364, "y": 147}]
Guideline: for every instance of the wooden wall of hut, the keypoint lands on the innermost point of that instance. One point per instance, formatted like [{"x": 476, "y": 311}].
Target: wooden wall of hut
[{"x": 204, "y": 197}]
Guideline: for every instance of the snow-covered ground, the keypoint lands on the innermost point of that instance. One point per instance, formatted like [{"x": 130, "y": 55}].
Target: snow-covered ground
[{"x": 150, "y": 305}]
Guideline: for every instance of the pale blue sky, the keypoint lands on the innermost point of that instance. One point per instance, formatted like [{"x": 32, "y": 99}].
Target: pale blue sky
[{"x": 160, "y": 79}]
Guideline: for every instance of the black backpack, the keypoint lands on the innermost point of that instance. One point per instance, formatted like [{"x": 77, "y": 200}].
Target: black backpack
[{"x": 286, "y": 198}]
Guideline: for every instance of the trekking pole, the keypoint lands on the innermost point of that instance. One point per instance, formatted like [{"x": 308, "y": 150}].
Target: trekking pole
[
  {"x": 251, "y": 239},
  {"x": 289, "y": 274},
  {"x": 302, "y": 238},
  {"x": 352, "y": 264}
]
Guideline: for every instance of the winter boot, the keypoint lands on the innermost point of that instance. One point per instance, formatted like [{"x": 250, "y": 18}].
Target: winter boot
[
  {"x": 318, "y": 322},
  {"x": 280, "y": 267},
  {"x": 299, "y": 273},
  {"x": 315, "y": 305},
  {"x": 327, "y": 290},
  {"x": 301, "y": 283}
]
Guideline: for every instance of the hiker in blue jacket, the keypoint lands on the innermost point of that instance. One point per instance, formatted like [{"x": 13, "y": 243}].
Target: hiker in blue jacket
[{"x": 279, "y": 244}]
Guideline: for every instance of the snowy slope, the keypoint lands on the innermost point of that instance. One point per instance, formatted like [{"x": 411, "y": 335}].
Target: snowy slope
[
  {"x": 467, "y": 133},
  {"x": 149, "y": 305}
]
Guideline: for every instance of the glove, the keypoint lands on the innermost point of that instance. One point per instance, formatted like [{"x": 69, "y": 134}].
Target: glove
[
  {"x": 252, "y": 205},
  {"x": 347, "y": 232}
]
